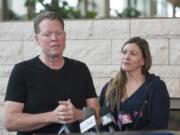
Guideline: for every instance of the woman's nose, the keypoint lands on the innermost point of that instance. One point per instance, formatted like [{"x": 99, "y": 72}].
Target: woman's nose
[{"x": 126, "y": 55}]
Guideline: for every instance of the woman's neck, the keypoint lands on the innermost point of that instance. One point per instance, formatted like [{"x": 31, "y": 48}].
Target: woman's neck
[
  {"x": 135, "y": 77},
  {"x": 134, "y": 81}
]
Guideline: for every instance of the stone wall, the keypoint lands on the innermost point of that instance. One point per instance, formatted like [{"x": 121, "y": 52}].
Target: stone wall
[{"x": 98, "y": 44}]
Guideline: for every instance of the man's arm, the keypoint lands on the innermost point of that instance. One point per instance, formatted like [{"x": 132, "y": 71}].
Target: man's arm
[
  {"x": 71, "y": 114},
  {"x": 94, "y": 103},
  {"x": 16, "y": 120}
]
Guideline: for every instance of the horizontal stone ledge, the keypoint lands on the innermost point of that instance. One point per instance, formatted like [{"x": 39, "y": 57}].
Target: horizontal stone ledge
[{"x": 160, "y": 28}]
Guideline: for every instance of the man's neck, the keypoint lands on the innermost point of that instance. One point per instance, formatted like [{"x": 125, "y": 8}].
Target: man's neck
[{"x": 53, "y": 62}]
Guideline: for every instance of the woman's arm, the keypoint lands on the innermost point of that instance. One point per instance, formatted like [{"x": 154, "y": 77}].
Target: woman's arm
[{"x": 160, "y": 107}]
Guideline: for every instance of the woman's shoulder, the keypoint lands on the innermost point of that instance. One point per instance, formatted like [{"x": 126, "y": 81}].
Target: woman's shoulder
[
  {"x": 104, "y": 88},
  {"x": 155, "y": 84},
  {"x": 153, "y": 79},
  {"x": 103, "y": 92}
]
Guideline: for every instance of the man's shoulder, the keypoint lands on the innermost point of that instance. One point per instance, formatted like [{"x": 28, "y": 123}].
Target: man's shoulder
[
  {"x": 26, "y": 62},
  {"x": 74, "y": 62},
  {"x": 76, "y": 65}
]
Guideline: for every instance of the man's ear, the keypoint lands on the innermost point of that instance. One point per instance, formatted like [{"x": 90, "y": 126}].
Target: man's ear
[{"x": 36, "y": 38}]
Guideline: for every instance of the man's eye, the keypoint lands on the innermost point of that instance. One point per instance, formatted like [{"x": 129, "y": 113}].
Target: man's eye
[
  {"x": 46, "y": 34},
  {"x": 59, "y": 33}
]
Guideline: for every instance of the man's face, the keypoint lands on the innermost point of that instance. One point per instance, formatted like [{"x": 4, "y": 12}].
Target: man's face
[{"x": 51, "y": 38}]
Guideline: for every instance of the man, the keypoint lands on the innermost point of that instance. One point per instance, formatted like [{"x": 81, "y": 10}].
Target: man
[{"x": 49, "y": 90}]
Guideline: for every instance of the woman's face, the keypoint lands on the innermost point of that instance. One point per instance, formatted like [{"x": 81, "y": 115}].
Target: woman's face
[{"x": 131, "y": 58}]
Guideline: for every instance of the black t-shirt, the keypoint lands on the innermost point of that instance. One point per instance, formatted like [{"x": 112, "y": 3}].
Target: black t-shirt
[{"x": 40, "y": 88}]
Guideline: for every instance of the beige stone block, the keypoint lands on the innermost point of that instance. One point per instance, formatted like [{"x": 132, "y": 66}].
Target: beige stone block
[
  {"x": 97, "y": 29},
  {"x": 31, "y": 49},
  {"x": 159, "y": 51},
  {"x": 11, "y": 31},
  {"x": 3, "y": 131},
  {"x": 110, "y": 29},
  {"x": 5, "y": 70},
  {"x": 170, "y": 71},
  {"x": 11, "y": 52},
  {"x": 76, "y": 29},
  {"x": 116, "y": 50},
  {"x": 89, "y": 51},
  {"x": 104, "y": 71},
  {"x": 175, "y": 51},
  {"x": 2, "y": 99},
  {"x": 1, "y": 116},
  {"x": 3, "y": 85},
  {"x": 155, "y": 28},
  {"x": 173, "y": 86},
  {"x": 99, "y": 83},
  {"x": 16, "y": 31},
  {"x": 28, "y": 31}
]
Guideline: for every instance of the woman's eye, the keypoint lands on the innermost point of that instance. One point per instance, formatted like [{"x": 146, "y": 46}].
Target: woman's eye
[{"x": 134, "y": 54}]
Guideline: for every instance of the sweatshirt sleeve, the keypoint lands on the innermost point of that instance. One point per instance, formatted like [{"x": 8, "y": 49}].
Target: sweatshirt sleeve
[{"x": 160, "y": 107}]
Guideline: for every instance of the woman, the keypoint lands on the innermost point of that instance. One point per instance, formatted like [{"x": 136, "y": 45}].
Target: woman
[{"x": 137, "y": 99}]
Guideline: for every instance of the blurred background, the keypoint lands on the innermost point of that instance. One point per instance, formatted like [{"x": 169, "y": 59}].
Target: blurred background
[{"x": 97, "y": 9}]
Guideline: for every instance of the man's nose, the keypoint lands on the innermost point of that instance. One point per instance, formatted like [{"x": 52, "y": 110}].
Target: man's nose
[{"x": 53, "y": 36}]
